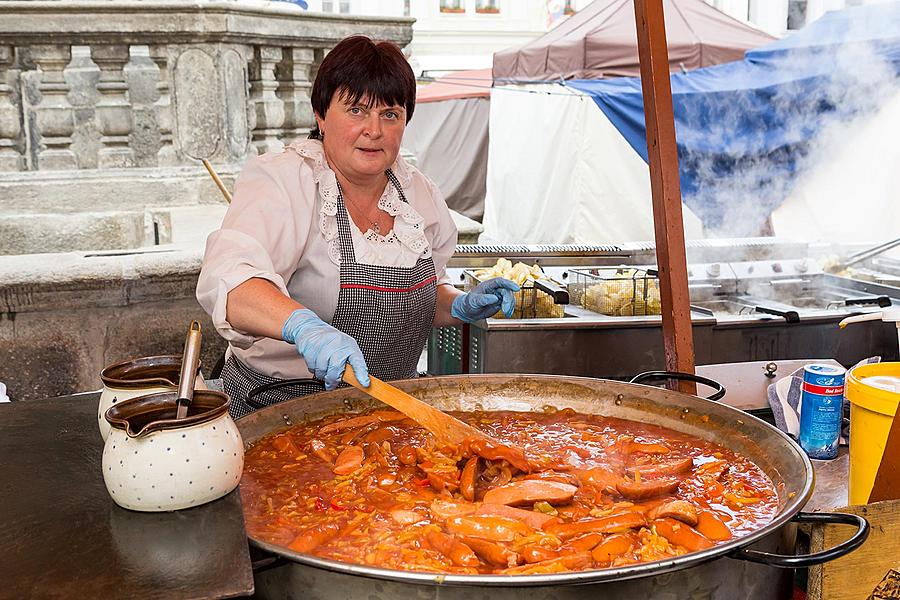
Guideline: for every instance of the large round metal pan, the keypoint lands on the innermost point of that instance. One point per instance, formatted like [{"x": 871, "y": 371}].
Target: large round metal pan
[{"x": 774, "y": 452}]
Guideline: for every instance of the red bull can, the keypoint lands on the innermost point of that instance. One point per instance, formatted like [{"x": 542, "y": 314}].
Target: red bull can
[{"x": 821, "y": 410}]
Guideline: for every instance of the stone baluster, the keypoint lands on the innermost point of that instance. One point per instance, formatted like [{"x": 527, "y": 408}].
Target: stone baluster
[
  {"x": 267, "y": 105},
  {"x": 295, "y": 85},
  {"x": 11, "y": 156},
  {"x": 113, "y": 109},
  {"x": 166, "y": 156},
  {"x": 142, "y": 75},
  {"x": 82, "y": 76},
  {"x": 48, "y": 111}
]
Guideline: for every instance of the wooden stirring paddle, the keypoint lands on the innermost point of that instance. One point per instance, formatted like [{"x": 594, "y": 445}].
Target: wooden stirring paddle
[{"x": 446, "y": 428}]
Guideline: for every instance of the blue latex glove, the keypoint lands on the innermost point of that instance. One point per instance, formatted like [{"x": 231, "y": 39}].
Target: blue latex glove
[
  {"x": 485, "y": 300},
  {"x": 325, "y": 349}
]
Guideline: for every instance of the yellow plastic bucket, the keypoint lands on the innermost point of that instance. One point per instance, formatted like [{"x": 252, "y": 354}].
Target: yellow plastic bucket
[{"x": 871, "y": 414}]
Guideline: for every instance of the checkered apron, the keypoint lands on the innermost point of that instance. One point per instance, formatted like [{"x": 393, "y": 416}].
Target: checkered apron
[{"x": 389, "y": 311}]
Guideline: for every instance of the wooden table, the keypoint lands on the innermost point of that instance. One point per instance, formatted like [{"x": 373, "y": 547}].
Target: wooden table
[{"x": 63, "y": 537}]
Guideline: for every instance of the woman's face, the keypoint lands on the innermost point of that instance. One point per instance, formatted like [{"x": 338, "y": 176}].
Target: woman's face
[{"x": 360, "y": 142}]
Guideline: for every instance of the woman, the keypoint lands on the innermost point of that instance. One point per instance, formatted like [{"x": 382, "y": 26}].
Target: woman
[{"x": 335, "y": 249}]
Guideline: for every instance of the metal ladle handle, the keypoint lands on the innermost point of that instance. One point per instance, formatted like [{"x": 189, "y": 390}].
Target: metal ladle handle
[{"x": 189, "y": 362}]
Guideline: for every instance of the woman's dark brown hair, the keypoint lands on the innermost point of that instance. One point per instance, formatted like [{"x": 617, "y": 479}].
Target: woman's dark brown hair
[{"x": 358, "y": 68}]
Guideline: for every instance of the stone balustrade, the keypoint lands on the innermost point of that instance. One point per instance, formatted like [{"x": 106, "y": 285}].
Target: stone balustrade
[{"x": 125, "y": 84}]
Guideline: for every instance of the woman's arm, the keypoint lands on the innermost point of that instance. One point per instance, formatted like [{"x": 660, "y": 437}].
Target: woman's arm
[
  {"x": 446, "y": 293},
  {"x": 258, "y": 307}
]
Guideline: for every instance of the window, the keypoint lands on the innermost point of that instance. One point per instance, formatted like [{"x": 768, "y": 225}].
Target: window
[
  {"x": 796, "y": 17},
  {"x": 345, "y": 8},
  {"x": 452, "y": 6},
  {"x": 487, "y": 7},
  {"x": 327, "y": 6}
]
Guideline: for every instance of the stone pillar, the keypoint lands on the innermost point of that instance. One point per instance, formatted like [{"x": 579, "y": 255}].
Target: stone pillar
[
  {"x": 142, "y": 76},
  {"x": 11, "y": 157},
  {"x": 113, "y": 108},
  {"x": 295, "y": 86},
  {"x": 49, "y": 113},
  {"x": 82, "y": 76},
  {"x": 197, "y": 102},
  {"x": 166, "y": 156},
  {"x": 267, "y": 105}
]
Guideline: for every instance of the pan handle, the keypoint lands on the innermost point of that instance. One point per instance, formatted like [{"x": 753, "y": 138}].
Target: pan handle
[
  {"x": 251, "y": 395},
  {"x": 658, "y": 375},
  {"x": 559, "y": 294},
  {"x": 817, "y": 558},
  {"x": 791, "y": 316},
  {"x": 881, "y": 301}
]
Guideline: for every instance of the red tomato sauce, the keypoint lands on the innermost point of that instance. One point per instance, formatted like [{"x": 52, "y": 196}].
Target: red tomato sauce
[{"x": 375, "y": 489}]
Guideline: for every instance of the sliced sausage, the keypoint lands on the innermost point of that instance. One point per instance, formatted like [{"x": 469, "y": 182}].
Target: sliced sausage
[
  {"x": 641, "y": 447},
  {"x": 492, "y": 553},
  {"x": 535, "y": 553},
  {"x": 611, "y": 524},
  {"x": 613, "y": 546},
  {"x": 406, "y": 517},
  {"x": 712, "y": 526},
  {"x": 318, "y": 448},
  {"x": 583, "y": 543},
  {"x": 315, "y": 536},
  {"x": 534, "y": 519},
  {"x": 490, "y": 450},
  {"x": 677, "y": 509},
  {"x": 285, "y": 444},
  {"x": 568, "y": 478},
  {"x": 566, "y": 562},
  {"x": 681, "y": 534},
  {"x": 351, "y": 423},
  {"x": 467, "y": 479},
  {"x": 646, "y": 489},
  {"x": 599, "y": 477},
  {"x": 671, "y": 467},
  {"x": 452, "y": 548},
  {"x": 445, "y": 509},
  {"x": 529, "y": 491},
  {"x": 348, "y": 460},
  {"x": 407, "y": 455},
  {"x": 497, "y": 529}
]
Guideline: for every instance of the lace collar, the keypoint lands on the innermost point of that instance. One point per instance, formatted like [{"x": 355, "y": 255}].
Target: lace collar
[{"x": 409, "y": 225}]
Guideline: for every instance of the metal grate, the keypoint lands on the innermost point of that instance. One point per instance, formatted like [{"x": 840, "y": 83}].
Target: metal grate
[{"x": 537, "y": 249}]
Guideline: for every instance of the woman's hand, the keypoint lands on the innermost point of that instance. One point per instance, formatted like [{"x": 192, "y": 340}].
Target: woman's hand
[
  {"x": 485, "y": 299},
  {"x": 325, "y": 349}
]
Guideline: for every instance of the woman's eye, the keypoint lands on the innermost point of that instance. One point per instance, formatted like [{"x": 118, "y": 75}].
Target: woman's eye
[
  {"x": 392, "y": 114},
  {"x": 355, "y": 110}
]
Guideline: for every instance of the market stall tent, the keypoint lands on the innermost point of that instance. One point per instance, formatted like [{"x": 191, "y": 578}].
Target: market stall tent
[
  {"x": 600, "y": 41},
  {"x": 563, "y": 173}
]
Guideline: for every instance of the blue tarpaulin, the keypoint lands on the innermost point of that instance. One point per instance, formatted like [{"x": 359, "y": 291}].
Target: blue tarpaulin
[{"x": 744, "y": 129}]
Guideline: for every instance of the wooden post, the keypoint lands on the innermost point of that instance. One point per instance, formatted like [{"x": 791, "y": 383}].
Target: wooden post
[{"x": 665, "y": 187}]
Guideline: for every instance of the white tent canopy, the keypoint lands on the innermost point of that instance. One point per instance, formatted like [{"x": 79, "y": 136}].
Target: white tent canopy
[{"x": 560, "y": 172}]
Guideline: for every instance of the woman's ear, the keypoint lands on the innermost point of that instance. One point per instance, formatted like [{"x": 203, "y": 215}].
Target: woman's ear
[{"x": 320, "y": 122}]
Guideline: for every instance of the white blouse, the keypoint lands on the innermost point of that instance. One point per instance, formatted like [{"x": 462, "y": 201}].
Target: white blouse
[{"x": 282, "y": 226}]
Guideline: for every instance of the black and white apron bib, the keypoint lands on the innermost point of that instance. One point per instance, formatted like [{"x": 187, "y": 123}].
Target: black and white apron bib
[{"x": 389, "y": 311}]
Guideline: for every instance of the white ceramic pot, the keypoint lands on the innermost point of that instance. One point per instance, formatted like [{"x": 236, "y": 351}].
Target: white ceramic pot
[
  {"x": 155, "y": 462},
  {"x": 138, "y": 377}
]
